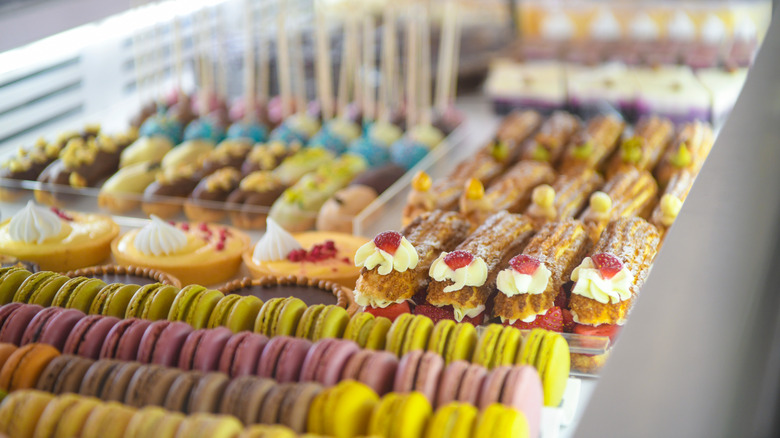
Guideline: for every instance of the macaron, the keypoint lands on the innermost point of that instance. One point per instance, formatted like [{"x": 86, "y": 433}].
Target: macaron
[
  {"x": 507, "y": 346},
  {"x": 486, "y": 345},
  {"x": 326, "y": 360},
  {"x": 74, "y": 415},
  {"x": 149, "y": 385},
  {"x": 207, "y": 393},
  {"x": 416, "y": 335},
  {"x": 308, "y": 321},
  {"x": 376, "y": 369},
  {"x": 530, "y": 348},
  {"x": 288, "y": 316},
  {"x": 453, "y": 420},
  {"x": 282, "y": 358},
  {"x": 107, "y": 420},
  {"x": 153, "y": 421},
  {"x": 331, "y": 323},
  {"x": 178, "y": 398},
  {"x": 33, "y": 331},
  {"x": 269, "y": 414},
  {"x": 31, "y": 284},
  {"x": 52, "y": 415},
  {"x": 113, "y": 300},
  {"x": 43, "y": 294},
  {"x": 400, "y": 415},
  {"x": 553, "y": 365},
  {"x": 82, "y": 295},
  {"x": 10, "y": 282},
  {"x": 243, "y": 314},
  {"x": 209, "y": 426},
  {"x": 123, "y": 340},
  {"x": 14, "y": 325},
  {"x": 451, "y": 378},
  {"x": 6, "y": 350},
  {"x": 64, "y": 292},
  {"x": 244, "y": 396},
  {"x": 268, "y": 431},
  {"x": 523, "y": 391},
  {"x": 203, "y": 348},
  {"x": 152, "y": 302},
  {"x": 25, "y": 365},
  {"x": 96, "y": 377},
  {"x": 56, "y": 329},
  {"x": 241, "y": 354},
  {"x": 194, "y": 305},
  {"x": 343, "y": 410},
  {"x": 453, "y": 341},
  {"x": 64, "y": 374},
  {"x": 397, "y": 333},
  {"x": 116, "y": 381},
  {"x": 499, "y": 420},
  {"x": 87, "y": 337},
  {"x": 419, "y": 371},
  {"x": 162, "y": 341},
  {"x": 293, "y": 409},
  {"x": 221, "y": 310},
  {"x": 21, "y": 412}
]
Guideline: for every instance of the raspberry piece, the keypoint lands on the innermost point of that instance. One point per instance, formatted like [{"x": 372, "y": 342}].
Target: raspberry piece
[
  {"x": 389, "y": 241},
  {"x": 185, "y": 226},
  {"x": 458, "y": 259},
  {"x": 525, "y": 264},
  {"x": 607, "y": 264}
]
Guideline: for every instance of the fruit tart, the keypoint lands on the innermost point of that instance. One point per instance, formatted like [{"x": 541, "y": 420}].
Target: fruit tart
[
  {"x": 57, "y": 240},
  {"x": 314, "y": 254},
  {"x": 195, "y": 253}
]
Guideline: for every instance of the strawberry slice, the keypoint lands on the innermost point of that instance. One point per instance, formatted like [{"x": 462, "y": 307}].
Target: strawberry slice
[
  {"x": 607, "y": 264},
  {"x": 458, "y": 259},
  {"x": 610, "y": 330},
  {"x": 525, "y": 264},
  {"x": 568, "y": 321},
  {"x": 389, "y": 241},
  {"x": 445, "y": 312},
  {"x": 390, "y": 312},
  {"x": 552, "y": 320}
]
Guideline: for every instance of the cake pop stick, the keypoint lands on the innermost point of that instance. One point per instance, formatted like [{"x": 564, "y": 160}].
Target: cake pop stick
[
  {"x": 264, "y": 73},
  {"x": 412, "y": 30},
  {"x": 249, "y": 62},
  {"x": 221, "y": 55},
  {"x": 324, "y": 81},
  {"x": 425, "y": 69},
  {"x": 444, "y": 69},
  {"x": 283, "y": 60},
  {"x": 300, "y": 72},
  {"x": 369, "y": 110}
]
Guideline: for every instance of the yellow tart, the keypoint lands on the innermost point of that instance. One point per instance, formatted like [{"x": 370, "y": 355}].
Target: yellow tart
[
  {"x": 195, "y": 253},
  {"x": 57, "y": 240},
  {"x": 331, "y": 262}
]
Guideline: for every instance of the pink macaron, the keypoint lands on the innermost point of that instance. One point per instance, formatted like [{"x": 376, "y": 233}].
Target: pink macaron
[
  {"x": 283, "y": 358},
  {"x": 203, "y": 348},
  {"x": 376, "y": 369},
  {"x": 56, "y": 330},
  {"x": 523, "y": 390},
  {"x": 123, "y": 339},
  {"x": 162, "y": 341},
  {"x": 326, "y": 360},
  {"x": 87, "y": 337},
  {"x": 16, "y": 322},
  {"x": 34, "y": 330},
  {"x": 419, "y": 371},
  {"x": 242, "y": 353},
  {"x": 461, "y": 381}
]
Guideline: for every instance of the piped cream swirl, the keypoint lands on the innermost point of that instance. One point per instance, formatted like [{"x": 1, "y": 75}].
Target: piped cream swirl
[
  {"x": 275, "y": 244},
  {"x": 591, "y": 284},
  {"x": 370, "y": 256},
  {"x": 34, "y": 224},
  {"x": 159, "y": 238}
]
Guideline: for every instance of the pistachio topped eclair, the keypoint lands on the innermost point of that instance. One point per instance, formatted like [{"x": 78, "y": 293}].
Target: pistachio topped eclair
[
  {"x": 564, "y": 198},
  {"x": 549, "y": 142},
  {"x": 688, "y": 151},
  {"x": 643, "y": 150},
  {"x": 592, "y": 146}
]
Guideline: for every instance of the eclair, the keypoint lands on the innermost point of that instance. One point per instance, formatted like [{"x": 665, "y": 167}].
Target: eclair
[
  {"x": 553, "y": 136},
  {"x": 466, "y": 277},
  {"x": 627, "y": 194},
  {"x": 643, "y": 150},
  {"x": 671, "y": 202},
  {"x": 529, "y": 284},
  {"x": 511, "y": 192},
  {"x": 591, "y": 147},
  {"x": 396, "y": 265},
  {"x": 564, "y": 199},
  {"x": 688, "y": 151}
]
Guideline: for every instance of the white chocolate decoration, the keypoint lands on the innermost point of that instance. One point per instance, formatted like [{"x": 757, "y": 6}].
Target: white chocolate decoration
[
  {"x": 530, "y": 318},
  {"x": 591, "y": 284},
  {"x": 473, "y": 274},
  {"x": 275, "y": 244},
  {"x": 34, "y": 224},
  {"x": 511, "y": 283},
  {"x": 370, "y": 256},
  {"x": 461, "y": 313},
  {"x": 159, "y": 238},
  {"x": 670, "y": 208}
]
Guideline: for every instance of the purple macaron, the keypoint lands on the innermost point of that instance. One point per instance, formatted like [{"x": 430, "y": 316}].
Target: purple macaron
[
  {"x": 242, "y": 353},
  {"x": 282, "y": 358},
  {"x": 88, "y": 335},
  {"x": 326, "y": 360},
  {"x": 203, "y": 348},
  {"x": 162, "y": 341},
  {"x": 16, "y": 322}
]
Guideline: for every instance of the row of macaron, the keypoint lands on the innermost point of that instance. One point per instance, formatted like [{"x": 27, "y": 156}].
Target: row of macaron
[
  {"x": 201, "y": 308},
  {"x": 289, "y": 359},
  {"x": 38, "y": 414},
  {"x": 300, "y": 406}
]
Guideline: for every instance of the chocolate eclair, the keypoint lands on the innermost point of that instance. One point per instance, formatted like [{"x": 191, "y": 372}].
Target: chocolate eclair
[
  {"x": 28, "y": 164},
  {"x": 267, "y": 156},
  {"x": 229, "y": 153},
  {"x": 164, "y": 197},
  {"x": 202, "y": 204},
  {"x": 250, "y": 202}
]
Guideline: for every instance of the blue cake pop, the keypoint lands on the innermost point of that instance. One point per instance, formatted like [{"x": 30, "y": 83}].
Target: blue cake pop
[
  {"x": 204, "y": 129},
  {"x": 407, "y": 152},
  {"x": 254, "y": 131},
  {"x": 336, "y": 135},
  {"x": 161, "y": 125},
  {"x": 376, "y": 154},
  {"x": 298, "y": 128}
]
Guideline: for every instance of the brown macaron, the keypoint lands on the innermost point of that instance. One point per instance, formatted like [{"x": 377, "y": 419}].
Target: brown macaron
[
  {"x": 244, "y": 397},
  {"x": 150, "y": 385},
  {"x": 207, "y": 394}
]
